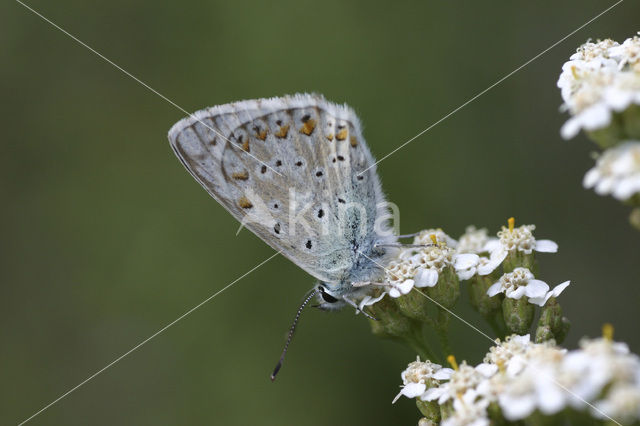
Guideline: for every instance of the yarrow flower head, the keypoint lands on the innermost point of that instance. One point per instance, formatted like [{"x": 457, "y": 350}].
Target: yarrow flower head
[
  {"x": 601, "y": 378},
  {"x": 476, "y": 241},
  {"x": 617, "y": 172},
  {"x": 427, "y": 236},
  {"x": 473, "y": 240},
  {"x": 520, "y": 239},
  {"x": 521, "y": 282},
  {"x": 463, "y": 378},
  {"x": 419, "y": 376},
  {"x": 599, "y": 79},
  {"x": 469, "y": 409},
  {"x": 422, "y": 266}
]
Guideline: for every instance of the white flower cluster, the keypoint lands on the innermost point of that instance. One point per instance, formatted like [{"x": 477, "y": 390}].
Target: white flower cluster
[
  {"x": 599, "y": 79},
  {"x": 617, "y": 172},
  {"x": 474, "y": 253},
  {"x": 422, "y": 266},
  {"x": 601, "y": 378}
]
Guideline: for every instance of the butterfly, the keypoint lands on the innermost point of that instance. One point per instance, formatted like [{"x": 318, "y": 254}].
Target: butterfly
[{"x": 296, "y": 171}]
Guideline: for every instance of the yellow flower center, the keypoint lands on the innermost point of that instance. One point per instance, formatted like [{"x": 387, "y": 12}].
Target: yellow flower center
[
  {"x": 607, "y": 331},
  {"x": 512, "y": 223},
  {"x": 452, "y": 360}
]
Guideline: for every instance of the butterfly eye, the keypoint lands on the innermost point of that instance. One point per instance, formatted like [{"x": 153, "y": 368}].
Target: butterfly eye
[{"x": 326, "y": 296}]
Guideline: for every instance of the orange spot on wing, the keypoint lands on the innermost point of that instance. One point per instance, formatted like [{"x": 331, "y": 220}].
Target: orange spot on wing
[
  {"x": 245, "y": 145},
  {"x": 329, "y": 137},
  {"x": 261, "y": 134},
  {"x": 308, "y": 126},
  {"x": 341, "y": 135},
  {"x": 240, "y": 176},
  {"x": 282, "y": 132},
  {"x": 245, "y": 203},
  {"x": 353, "y": 141}
]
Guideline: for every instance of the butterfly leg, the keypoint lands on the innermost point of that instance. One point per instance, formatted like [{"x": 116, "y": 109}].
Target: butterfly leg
[
  {"x": 352, "y": 303},
  {"x": 400, "y": 245},
  {"x": 415, "y": 234}
]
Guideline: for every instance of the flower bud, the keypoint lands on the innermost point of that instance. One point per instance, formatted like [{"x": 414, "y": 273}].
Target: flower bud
[
  {"x": 479, "y": 298},
  {"x": 552, "y": 325},
  {"x": 447, "y": 290},
  {"x": 430, "y": 410},
  {"x": 391, "y": 323},
  {"x": 518, "y": 314},
  {"x": 416, "y": 306}
]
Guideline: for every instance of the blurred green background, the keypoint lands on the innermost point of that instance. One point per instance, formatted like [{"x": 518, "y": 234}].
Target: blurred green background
[{"x": 106, "y": 238}]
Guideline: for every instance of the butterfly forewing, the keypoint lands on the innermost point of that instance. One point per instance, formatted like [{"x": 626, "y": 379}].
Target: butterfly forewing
[{"x": 294, "y": 170}]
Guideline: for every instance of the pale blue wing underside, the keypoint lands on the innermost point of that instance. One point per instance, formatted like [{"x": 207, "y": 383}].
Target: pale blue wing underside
[{"x": 322, "y": 162}]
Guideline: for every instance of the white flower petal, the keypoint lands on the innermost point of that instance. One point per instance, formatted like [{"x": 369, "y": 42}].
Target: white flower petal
[
  {"x": 596, "y": 116},
  {"x": 515, "y": 294},
  {"x": 494, "y": 289},
  {"x": 499, "y": 254},
  {"x": 546, "y": 246},
  {"x": 432, "y": 394},
  {"x": 426, "y": 278},
  {"x": 486, "y": 369},
  {"x": 485, "y": 268},
  {"x": 551, "y": 399},
  {"x": 443, "y": 374},
  {"x": 491, "y": 245},
  {"x": 413, "y": 390},
  {"x": 465, "y": 260},
  {"x": 540, "y": 301},
  {"x": 466, "y": 274},
  {"x": 570, "y": 128},
  {"x": 559, "y": 288},
  {"x": 591, "y": 178},
  {"x": 406, "y": 286},
  {"x": 394, "y": 292},
  {"x": 516, "y": 408},
  {"x": 536, "y": 288}
]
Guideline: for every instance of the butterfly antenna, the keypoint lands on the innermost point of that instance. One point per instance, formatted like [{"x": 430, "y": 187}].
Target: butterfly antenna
[{"x": 291, "y": 331}]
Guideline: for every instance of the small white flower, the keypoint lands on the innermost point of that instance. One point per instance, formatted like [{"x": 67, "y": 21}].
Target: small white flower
[
  {"x": 419, "y": 376},
  {"x": 502, "y": 353},
  {"x": 400, "y": 276},
  {"x": 435, "y": 258},
  {"x": 520, "y": 239},
  {"x": 597, "y": 363},
  {"x": 601, "y": 78},
  {"x": 470, "y": 409},
  {"x": 542, "y": 300},
  {"x": 617, "y": 172},
  {"x": 519, "y": 283},
  {"x": 533, "y": 383},
  {"x": 424, "y": 237},
  {"x": 462, "y": 379},
  {"x": 473, "y": 240},
  {"x": 621, "y": 403},
  {"x": 524, "y": 377},
  {"x": 487, "y": 265}
]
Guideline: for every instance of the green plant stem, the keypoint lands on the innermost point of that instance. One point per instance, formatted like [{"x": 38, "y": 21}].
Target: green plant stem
[{"x": 443, "y": 331}]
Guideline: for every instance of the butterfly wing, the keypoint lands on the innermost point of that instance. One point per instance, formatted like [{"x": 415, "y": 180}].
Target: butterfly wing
[{"x": 294, "y": 170}]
